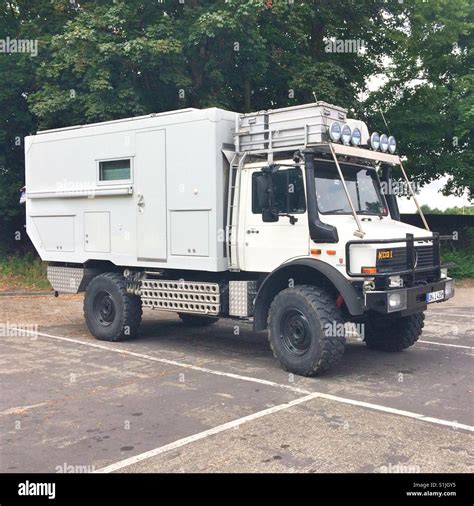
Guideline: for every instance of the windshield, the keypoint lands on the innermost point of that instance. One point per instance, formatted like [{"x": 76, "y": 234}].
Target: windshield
[{"x": 362, "y": 183}]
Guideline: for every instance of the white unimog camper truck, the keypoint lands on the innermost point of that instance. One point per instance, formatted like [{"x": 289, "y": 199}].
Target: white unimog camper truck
[{"x": 276, "y": 216}]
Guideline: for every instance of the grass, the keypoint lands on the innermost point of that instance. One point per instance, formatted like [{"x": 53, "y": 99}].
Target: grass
[
  {"x": 23, "y": 272},
  {"x": 463, "y": 261}
]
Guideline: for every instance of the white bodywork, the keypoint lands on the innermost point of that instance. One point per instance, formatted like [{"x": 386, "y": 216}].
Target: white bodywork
[{"x": 167, "y": 215}]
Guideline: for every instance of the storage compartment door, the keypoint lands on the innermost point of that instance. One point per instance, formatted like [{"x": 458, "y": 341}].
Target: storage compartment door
[
  {"x": 189, "y": 233},
  {"x": 150, "y": 185},
  {"x": 56, "y": 233},
  {"x": 97, "y": 232}
]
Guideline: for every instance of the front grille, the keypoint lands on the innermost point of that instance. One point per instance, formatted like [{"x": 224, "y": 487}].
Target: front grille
[
  {"x": 398, "y": 259},
  {"x": 425, "y": 256},
  {"x": 396, "y": 262}
]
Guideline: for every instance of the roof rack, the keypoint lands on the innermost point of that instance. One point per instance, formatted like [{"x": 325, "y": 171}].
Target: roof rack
[
  {"x": 281, "y": 131},
  {"x": 285, "y": 129}
]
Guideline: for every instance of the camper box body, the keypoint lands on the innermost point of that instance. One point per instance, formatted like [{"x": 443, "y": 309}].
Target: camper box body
[{"x": 145, "y": 192}]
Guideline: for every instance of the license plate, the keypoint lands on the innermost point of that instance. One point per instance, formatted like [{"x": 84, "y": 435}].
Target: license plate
[{"x": 434, "y": 296}]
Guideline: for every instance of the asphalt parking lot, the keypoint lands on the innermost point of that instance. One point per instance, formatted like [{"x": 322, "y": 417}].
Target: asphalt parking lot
[{"x": 180, "y": 399}]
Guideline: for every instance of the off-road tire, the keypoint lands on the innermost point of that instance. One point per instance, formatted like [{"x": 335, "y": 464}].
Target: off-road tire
[
  {"x": 315, "y": 310},
  {"x": 123, "y": 317},
  {"x": 194, "y": 320},
  {"x": 393, "y": 334}
]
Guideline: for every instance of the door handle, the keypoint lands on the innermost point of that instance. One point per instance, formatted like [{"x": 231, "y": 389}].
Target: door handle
[
  {"x": 253, "y": 231},
  {"x": 141, "y": 203}
]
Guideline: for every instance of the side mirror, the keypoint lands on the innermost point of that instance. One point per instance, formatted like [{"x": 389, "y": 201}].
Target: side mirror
[{"x": 266, "y": 198}]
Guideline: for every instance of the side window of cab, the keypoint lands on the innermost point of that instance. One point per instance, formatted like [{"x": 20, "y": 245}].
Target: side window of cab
[{"x": 288, "y": 189}]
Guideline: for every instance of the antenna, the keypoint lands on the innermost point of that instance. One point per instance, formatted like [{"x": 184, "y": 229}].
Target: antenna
[
  {"x": 385, "y": 121},
  {"x": 314, "y": 95}
]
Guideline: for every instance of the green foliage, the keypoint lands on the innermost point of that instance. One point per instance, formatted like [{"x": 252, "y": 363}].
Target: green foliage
[
  {"x": 23, "y": 272},
  {"x": 101, "y": 60},
  {"x": 460, "y": 255},
  {"x": 428, "y": 98},
  {"x": 463, "y": 264},
  {"x": 469, "y": 210}
]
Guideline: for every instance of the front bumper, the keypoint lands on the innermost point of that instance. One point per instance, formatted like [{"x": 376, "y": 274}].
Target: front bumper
[
  {"x": 413, "y": 299},
  {"x": 410, "y": 271}
]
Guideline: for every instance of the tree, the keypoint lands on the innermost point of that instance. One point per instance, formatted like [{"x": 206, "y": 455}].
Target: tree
[
  {"x": 104, "y": 60},
  {"x": 428, "y": 99},
  {"x": 20, "y": 19},
  {"x": 469, "y": 210}
]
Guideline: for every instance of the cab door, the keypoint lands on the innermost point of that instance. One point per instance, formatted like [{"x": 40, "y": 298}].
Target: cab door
[{"x": 265, "y": 245}]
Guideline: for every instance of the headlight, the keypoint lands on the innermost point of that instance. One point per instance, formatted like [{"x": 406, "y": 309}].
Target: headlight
[
  {"x": 444, "y": 272},
  {"x": 346, "y": 134},
  {"x": 392, "y": 144},
  {"x": 335, "y": 131},
  {"x": 384, "y": 143},
  {"x": 356, "y": 137},
  {"x": 375, "y": 141},
  {"x": 396, "y": 301}
]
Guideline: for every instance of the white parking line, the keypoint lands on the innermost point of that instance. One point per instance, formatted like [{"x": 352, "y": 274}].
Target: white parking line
[
  {"x": 456, "y": 315},
  {"x": 174, "y": 363},
  {"x": 343, "y": 400},
  {"x": 448, "y": 344},
  {"x": 19, "y": 410},
  {"x": 201, "y": 435},
  {"x": 254, "y": 416}
]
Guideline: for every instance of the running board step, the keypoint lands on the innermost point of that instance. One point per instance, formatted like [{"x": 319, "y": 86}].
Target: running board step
[{"x": 183, "y": 296}]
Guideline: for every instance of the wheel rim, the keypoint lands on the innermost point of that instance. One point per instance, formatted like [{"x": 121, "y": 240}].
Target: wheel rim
[
  {"x": 104, "y": 308},
  {"x": 295, "y": 332}
]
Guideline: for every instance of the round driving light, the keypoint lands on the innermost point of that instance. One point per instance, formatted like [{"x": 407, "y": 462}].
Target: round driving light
[
  {"x": 384, "y": 143},
  {"x": 356, "y": 137},
  {"x": 375, "y": 141},
  {"x": 392, "y": 144},
  {"x": 346, "y": 134},
  {"x": 335, "y": 131},
  {"x": 394, "y": 300}
]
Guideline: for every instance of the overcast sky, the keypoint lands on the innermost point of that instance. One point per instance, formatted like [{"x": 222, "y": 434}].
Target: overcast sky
[{"x": 431, "y": 196}]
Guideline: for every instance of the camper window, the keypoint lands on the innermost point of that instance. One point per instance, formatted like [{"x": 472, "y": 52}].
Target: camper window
[{"x": 115, "y": 170}]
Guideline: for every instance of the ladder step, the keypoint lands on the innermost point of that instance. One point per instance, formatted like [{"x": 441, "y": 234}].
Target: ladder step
[{"x": 233, "y": 205}]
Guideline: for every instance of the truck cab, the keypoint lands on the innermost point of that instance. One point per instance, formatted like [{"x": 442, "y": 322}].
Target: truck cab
[{"x": 323, "y": 222}]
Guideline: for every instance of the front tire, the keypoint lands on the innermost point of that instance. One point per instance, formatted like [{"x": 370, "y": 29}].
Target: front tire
[
  {"x": 393, "y": 334},
  {"x": 111, "y": 313},
  {"x": 306, "y": 330}
]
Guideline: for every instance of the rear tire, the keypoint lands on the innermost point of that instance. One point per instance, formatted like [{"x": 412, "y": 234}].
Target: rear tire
[
  {"x": 111, "y": 313},
  {"x": 194, "y": 320},
  {"x": 306, "y": 330},
  {"x": 393, "y": 334}
]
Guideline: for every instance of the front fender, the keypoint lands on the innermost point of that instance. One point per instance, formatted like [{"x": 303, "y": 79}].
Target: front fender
[{"x": 303, "y": 271}]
